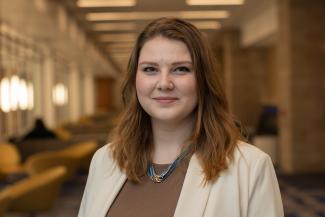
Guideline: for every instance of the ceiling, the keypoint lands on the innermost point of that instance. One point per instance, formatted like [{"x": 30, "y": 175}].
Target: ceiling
[{"x": 115, "y": 32}]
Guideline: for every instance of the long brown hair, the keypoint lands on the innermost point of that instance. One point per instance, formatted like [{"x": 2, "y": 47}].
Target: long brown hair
[{"x": 215, "y": 134}]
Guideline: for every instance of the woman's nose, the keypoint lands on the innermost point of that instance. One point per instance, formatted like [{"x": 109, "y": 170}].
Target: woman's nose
[{"x": 165, "y": 82}]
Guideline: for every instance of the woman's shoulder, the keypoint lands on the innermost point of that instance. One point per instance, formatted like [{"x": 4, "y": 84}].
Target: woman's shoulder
[
  {"x": 102, "y": 159},
  {"x": 249, "y": 149},
  {"x": 249, "y": 154},
  {"x": 103, "y": 153}
]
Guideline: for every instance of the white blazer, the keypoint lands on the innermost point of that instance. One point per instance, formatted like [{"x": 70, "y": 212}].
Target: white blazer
[{"x": 248, "y": 188}]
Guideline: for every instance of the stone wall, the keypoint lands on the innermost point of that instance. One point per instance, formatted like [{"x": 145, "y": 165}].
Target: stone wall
[
  {"x": 245, "y": 72},
  {"x": 301, "y": 65}
]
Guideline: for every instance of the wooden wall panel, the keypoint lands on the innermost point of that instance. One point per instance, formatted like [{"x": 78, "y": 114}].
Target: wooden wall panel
[{"x": 104, "y": 94}]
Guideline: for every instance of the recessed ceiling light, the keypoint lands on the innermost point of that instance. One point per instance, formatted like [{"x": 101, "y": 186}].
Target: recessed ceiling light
[
  {"x": 215, "y": 2},
  {"x": 114, "y": 26},
  {"x": 105, "y": 3},
  {"x": 101, "y": 16}
]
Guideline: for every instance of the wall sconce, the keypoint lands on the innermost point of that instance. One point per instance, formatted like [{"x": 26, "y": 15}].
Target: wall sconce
[
  {"x": 60, "y": 94},
  {"x": 5, "y": 95},
  {"x": 16, "y": 93},
  {"x": 22, "y": 95}
]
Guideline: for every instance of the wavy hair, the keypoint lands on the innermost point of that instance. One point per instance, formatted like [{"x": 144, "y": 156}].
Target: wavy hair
[{"x": 215, "y": 135}]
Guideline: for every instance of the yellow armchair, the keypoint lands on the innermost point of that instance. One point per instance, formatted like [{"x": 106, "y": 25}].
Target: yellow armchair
[
  {"x": 62, "y": 133},
  {"x": 43, "y": 161},
  {"x": 81, "y": 152},
  {"x": 10, "y": 160},
  {"x": 36, "y": 193}
]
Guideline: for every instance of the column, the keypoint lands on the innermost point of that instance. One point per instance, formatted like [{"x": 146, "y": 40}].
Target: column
[
  {"x": 244, "y": 69},
  {"x": 74, "y": 96},
  {"x": 89, "y": 93},
  {"x": 301, "y": 85},
  {"x": 46, "y": 95},
  {"x": 37, "y": 86}
]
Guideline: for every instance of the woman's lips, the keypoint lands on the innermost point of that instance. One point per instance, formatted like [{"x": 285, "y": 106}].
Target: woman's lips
[{"x": 165, "y": 100}]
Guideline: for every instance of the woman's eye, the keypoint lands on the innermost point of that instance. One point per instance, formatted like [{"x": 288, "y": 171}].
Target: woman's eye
[
  {"x": 182, "y": 69},
  {"x": 149, "y": 69}
]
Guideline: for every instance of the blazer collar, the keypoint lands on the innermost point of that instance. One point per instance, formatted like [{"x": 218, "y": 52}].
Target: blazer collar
[
  {"x": 192, "y": 200},
  {"x": 194, "y": 194},
  {"x": 114, "y": 179}
]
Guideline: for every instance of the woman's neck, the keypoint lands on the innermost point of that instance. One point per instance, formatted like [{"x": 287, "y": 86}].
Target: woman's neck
[{"x": 170, "y": 138}]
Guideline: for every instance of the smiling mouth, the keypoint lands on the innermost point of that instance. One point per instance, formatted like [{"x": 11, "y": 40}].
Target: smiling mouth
[{"x": 165, "y": 100}]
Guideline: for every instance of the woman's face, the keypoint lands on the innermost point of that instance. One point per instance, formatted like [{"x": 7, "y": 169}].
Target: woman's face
[{"x": 165, "y": 80}]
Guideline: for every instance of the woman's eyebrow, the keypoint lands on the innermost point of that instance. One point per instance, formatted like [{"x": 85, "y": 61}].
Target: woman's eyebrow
[
  {"x": 182, "y": 62},
  {"x": 148, "y": 63},
  {"x": 173, "y": 64}
]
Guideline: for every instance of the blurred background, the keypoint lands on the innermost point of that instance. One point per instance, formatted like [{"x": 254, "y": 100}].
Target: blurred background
[{"x": 62, "y": 63}]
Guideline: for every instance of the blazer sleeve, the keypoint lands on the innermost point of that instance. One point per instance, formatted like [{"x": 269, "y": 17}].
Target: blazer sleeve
[
  {"x": 84, "y": 201},
  {"x": 264, "y": 198}
]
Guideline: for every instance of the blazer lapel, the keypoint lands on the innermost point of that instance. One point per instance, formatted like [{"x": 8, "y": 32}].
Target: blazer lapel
[
  {"x": 114, "y": 181},
  {"x": 194, "y": 194}
]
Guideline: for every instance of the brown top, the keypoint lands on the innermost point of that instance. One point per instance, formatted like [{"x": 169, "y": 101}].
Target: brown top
[{"x": 150, "y": 199}]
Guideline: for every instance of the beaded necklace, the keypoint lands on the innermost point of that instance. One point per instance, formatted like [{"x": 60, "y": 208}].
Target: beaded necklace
[{"x": 158, "y": 178}]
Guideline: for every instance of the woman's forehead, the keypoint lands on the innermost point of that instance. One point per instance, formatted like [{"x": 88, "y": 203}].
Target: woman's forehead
[{"x": 164, "y": 49}]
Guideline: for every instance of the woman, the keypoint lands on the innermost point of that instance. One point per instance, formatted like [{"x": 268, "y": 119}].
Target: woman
[{"x": 176, "y": 151}]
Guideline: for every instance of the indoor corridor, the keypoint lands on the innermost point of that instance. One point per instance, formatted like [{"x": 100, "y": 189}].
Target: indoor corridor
[{"x": 62, "y": 64}]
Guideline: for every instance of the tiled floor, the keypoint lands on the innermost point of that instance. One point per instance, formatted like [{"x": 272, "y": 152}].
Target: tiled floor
[{"x": 303, "y": 196}]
